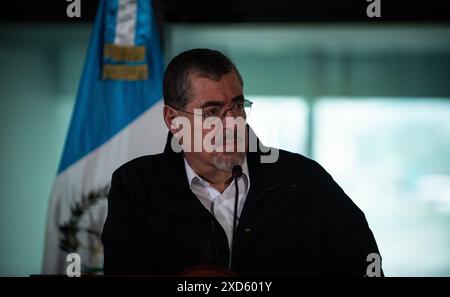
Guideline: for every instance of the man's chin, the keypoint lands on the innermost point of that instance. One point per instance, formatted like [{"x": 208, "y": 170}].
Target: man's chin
[{"x": 225, "y": 161}]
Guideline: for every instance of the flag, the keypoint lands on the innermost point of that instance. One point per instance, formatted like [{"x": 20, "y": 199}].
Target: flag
[{"x": 117, "y": 117}]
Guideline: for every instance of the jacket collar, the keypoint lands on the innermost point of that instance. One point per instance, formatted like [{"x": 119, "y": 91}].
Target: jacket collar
[{"x": 174, "y": 195}]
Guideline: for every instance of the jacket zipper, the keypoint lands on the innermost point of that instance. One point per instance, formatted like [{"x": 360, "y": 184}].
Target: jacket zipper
[{"x": 257, "y": 198}]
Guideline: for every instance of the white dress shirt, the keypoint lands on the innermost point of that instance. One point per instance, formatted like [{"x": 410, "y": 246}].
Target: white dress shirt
[{"x": 220, "y": 205}]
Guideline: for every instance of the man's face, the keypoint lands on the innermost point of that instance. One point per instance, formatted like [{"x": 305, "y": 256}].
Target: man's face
[{"x": 208, "y": 94}]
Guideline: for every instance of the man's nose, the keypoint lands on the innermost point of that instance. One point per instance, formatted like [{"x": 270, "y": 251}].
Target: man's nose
[{"x": 231, "y": 124}]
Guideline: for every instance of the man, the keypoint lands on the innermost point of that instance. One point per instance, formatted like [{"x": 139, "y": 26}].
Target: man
[{"x": 173, "y": 211}]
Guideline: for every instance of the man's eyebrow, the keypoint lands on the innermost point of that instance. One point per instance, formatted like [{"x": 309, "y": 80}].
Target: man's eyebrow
[
  {"x": 220, "y": 103},
  {"x": 238, "y": 98},
  {"x": 211, "y": 103}
]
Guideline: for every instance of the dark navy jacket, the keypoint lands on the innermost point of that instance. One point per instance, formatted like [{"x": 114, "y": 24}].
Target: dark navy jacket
[{"x": 296, "y": 221}]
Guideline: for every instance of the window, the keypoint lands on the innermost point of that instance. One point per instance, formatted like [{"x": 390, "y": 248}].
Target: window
[
  {"x": 392, "y": 157},
  {"x": 275, "y": 118}
]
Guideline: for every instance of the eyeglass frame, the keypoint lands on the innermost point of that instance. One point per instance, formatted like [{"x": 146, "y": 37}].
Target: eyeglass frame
[{"x": 246, "y": 101}]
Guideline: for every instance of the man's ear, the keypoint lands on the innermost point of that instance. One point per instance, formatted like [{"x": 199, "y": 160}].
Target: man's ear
[{"x": 169, "y": 114}]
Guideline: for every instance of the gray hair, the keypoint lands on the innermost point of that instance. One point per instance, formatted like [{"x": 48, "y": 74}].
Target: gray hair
[{"x": 202, "y": 62}]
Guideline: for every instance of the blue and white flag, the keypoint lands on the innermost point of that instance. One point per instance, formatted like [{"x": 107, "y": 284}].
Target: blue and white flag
[{"x": 117, "y": 117}]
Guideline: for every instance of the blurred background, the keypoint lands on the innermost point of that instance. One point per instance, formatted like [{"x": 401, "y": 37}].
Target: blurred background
[{"x": 367, "y": 98}]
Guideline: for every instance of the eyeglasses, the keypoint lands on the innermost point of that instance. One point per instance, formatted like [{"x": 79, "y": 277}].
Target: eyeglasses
[{"x": 240, "y": 108}]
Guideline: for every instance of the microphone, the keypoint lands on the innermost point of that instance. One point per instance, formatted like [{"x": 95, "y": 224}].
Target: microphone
[{"x": 237, "y": 172}]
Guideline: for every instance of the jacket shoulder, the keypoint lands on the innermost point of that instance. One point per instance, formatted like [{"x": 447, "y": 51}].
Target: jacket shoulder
[
  {"x": 140, "y": 165},
  {"x": 301, "y": 164},
  {"x": 312, "y": 175},
  {"x": 133, "y": 179}
]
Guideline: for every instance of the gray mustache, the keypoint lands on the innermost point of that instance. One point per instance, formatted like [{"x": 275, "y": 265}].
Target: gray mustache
[{"x": 228, "y": 137}]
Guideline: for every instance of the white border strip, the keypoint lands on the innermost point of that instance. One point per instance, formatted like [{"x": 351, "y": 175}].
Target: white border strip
[{"x": 126, "y": 22}]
